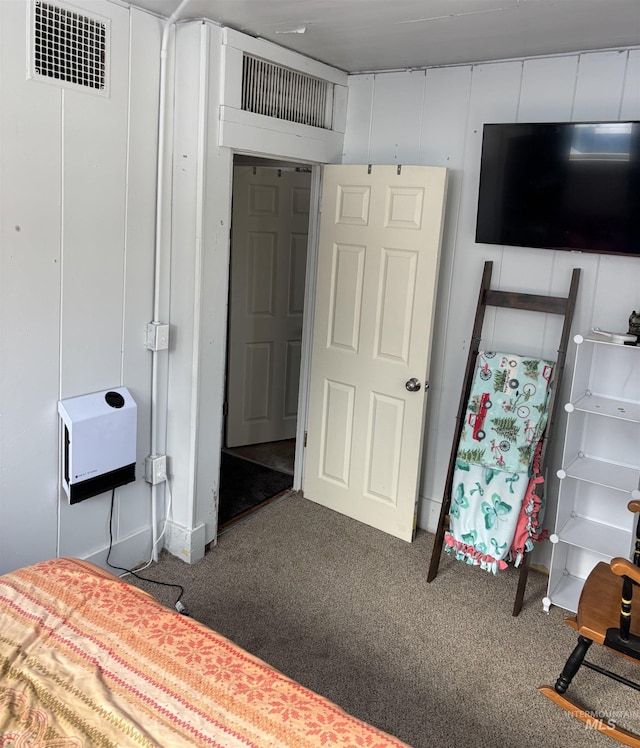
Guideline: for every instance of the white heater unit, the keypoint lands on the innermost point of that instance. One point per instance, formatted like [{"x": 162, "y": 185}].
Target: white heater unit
[{"x": 99, "y": 442}]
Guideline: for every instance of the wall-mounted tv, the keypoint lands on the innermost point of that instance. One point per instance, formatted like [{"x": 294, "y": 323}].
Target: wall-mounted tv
[{"x": 572, "y": 186}]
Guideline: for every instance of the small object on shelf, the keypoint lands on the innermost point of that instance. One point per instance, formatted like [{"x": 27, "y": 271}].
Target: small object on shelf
[
  {"x": 616, "y": 337},
  {"x": 634, "y": 326}
]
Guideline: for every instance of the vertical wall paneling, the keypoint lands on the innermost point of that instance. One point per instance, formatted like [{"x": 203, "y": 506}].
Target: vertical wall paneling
[
  {"x": 359, "y": 109},
  {"x": 599, "y": 86},
  {"x": 630, "y": 108},
  {"x": 444, "y": 117},
  {"x": 146, "y": 31},
  {"x": 93, "y": 214},
  {"x": 611, "y": 310},
  {"x": 444, "y": 122},
  {"x": 30, "y": 135},
  {"x": 186, "y": 234},
  {"x": 162, "y": 274},
  {"x": 94, "y": 153},
  {"x": 77, "y": 213},
  {"x": 396, "y": 140},
  {"x": 215, "y": 268},
  {"x": 548, "y": 86},
  {"x": 339, "y": 112}
]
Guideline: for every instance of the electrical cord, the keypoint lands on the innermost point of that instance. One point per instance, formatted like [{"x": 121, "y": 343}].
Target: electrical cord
[
  {"x": 164, "y": 529},
  {"x": 178, "y": 605}
]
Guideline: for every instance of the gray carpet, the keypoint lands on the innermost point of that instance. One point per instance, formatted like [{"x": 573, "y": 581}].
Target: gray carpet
[{"x": 346, "y": 611}]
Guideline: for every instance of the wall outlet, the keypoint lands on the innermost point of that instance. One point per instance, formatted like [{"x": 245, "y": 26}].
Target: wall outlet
[{"x": 155, "y": 469}]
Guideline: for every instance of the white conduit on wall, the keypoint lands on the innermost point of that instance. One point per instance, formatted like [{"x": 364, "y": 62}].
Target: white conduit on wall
[{"x": 162, "y": 114}]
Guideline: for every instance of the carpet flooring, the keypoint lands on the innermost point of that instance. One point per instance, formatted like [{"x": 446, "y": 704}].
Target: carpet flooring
[
  {"x": 245, "y": 485},
  {"x": 346, "y": 610}
]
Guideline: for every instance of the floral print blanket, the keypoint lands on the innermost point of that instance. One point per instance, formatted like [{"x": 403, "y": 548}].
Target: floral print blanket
[
  {"x": 496, "y": 502},
  {"x": 89, "y": 660}
]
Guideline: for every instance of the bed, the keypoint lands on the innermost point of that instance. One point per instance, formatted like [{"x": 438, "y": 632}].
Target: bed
[{"x": 86, "y": 659}]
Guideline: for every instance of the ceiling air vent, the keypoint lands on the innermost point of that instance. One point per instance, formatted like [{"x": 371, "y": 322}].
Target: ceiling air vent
[
  {"x": 69, "y": 48},
  {"x": 276, "y": 91}
]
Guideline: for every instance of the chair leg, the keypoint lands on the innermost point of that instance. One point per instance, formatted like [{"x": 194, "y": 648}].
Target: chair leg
[{"x": 572, "y": 665}]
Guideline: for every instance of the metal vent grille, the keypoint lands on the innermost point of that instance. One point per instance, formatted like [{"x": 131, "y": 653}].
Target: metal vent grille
[
  {"x": 276, "y": 91},
  {"x": 69, "y": 48}
]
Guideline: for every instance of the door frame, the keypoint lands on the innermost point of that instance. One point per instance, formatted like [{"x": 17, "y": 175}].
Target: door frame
[
  {"x": 309, "y": 301},
  {"x": 207, "y": 127},
  {"x": 307, "y": 324}
]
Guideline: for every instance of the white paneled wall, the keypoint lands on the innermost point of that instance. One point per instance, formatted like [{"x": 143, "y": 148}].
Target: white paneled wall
[
  {"x": 77, "y": 234},
  {"x": 435, "y": 117},
  {"x": 77, "y": 211}
]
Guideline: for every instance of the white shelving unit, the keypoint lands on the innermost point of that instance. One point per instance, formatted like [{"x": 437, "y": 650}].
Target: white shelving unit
[{"x": 600, "y": 471}]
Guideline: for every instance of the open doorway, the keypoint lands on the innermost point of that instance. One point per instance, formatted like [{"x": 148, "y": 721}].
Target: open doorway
[{"x": 269, "y": 236}]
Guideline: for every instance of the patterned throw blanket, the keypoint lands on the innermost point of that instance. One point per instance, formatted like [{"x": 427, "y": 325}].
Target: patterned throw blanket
[
  {"x": 89, "y": 660},
  {"x": 496, "y": 506}
]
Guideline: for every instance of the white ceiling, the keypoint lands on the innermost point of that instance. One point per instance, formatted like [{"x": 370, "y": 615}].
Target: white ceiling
[{"x": 366, "y": 35}]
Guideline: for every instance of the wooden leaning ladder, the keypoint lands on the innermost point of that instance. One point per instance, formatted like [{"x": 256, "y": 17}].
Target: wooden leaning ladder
[{"x": 561, "y": 305}]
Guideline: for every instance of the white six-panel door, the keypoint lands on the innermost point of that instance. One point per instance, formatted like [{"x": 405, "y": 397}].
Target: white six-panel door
[
  {"x": 268, "y": 259},
  {"x": 379, "y": 247}
]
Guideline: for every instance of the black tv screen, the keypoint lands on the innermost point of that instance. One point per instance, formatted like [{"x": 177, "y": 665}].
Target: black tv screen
[{"x": 573, "y": 186}]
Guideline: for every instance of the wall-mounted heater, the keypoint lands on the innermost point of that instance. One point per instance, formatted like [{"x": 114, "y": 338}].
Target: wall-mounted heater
[{"x": 98, "y": 442}]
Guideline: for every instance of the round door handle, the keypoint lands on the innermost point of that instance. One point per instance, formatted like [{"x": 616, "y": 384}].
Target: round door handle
[{"x": 413, "y": 385}]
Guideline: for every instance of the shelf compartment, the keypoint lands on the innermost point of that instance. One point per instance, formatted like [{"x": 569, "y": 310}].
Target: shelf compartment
[
  {"x": 570, "y": 567},
  {"x": 595, "y": 503},
  {"x": 624, "y": 410},
  {"x": 607, "y": 369},
  {"x": 566, "y": 593},
  {"x": 603, "y": 473},
  {"x": 595, "y": 536}
]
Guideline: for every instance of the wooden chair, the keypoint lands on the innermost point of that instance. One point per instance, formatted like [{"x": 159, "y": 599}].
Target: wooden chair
[{"x": 605, "y": 616}]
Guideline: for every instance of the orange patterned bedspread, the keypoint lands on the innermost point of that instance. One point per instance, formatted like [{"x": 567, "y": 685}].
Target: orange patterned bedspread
[{"x": 89, "y": 660}]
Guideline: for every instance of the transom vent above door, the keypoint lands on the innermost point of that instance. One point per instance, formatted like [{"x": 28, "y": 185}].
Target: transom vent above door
[
  {"x": 276, "y": 91},
  {"x": 69, "y": 48}
]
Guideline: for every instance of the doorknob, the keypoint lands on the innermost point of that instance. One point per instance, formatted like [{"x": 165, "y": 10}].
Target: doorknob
[{"x": 413, "y": 385}]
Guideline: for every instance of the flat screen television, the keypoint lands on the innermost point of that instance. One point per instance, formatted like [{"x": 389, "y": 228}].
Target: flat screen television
[{"x": 561, "y": 185}]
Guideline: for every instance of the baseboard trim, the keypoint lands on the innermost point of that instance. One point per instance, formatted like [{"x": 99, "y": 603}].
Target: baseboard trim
[
  {"x": 184, "y": 543},
  {"x": 428, "y": 514},
  {"x": 128, "y": 553}
]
